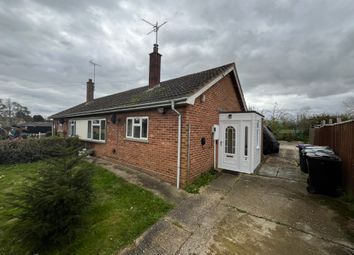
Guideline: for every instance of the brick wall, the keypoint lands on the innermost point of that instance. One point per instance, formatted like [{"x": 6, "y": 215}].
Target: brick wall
[
  {"x": 157, "y": 156},
  {"x": 201, "y": 117}
]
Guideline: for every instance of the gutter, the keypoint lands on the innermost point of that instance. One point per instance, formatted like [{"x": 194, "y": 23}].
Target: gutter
[
  {"x": 178, "y": 143},
  {"x": 122, "y": 108}
]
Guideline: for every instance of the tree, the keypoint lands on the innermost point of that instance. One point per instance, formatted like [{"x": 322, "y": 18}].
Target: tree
[
  {"x": 37, "y": 118},
  {"x": 12, "y": 112},
  {"x": 278, "y": 119},
  {"x": 21, "y": 112},
  {"x": 2, "y": 107},
  {"x": 49, "y": 207},
  {"x": 289, "y": 127},
  {"x": 277, "y": 113},
  {"x": 349, "y": 106},
  {"x": 2, "y": 112}
]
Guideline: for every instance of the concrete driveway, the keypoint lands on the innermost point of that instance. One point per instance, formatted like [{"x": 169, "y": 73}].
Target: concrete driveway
[{"x": 267, "y": 213}]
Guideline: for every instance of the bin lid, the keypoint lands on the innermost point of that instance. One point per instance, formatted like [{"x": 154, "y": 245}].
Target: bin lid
[
  {"x": 303, "y": 145},
  {"x": 323, "y": 156},
  {"x": 323, "y": 149}
]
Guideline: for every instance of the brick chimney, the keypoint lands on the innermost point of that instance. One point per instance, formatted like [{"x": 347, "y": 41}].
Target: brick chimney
[
  {"x": 155, "y": 67},
  {"x": 90, "y": 88}
]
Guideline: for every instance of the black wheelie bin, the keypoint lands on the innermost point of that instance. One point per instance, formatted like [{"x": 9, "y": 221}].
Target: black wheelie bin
[
  {"x": 324, "y": 173},
  {"x": 309, "y": 149}
]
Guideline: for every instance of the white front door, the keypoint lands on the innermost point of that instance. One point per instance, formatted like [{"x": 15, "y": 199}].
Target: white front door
[{"x": 228, "y": 146}]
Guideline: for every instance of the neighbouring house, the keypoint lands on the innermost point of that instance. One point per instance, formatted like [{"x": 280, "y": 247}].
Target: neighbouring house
[
  {"x": 34, "y": 128},
  {"x": 174, "y": 129}
]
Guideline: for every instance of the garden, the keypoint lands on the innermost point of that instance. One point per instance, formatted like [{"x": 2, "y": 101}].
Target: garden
[{"x": 55, "y": 202}]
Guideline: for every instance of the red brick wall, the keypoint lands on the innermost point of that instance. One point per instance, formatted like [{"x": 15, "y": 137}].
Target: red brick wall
[
  {"x": 202, "y": 116},
  {"x": 158, "y": 156}
]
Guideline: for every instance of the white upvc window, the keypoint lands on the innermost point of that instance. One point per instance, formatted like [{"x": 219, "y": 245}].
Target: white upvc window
[
  {"x": 96, "y": 129},
  {"x": 258, "y": 134},
  {"x": 72, "y": 128},
  {"x": 137, "y": 128}
]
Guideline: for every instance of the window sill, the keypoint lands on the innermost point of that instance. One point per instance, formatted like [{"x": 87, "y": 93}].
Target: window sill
[
  {"x": 137, "y": 140},
  {"x": 93, "y": 141}
]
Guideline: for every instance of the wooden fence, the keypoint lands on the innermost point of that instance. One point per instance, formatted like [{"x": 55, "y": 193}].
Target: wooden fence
[{"x": 340, "y": 137}]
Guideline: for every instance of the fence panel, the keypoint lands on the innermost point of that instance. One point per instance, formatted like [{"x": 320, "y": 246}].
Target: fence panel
[{"x": 341, "y": 138}]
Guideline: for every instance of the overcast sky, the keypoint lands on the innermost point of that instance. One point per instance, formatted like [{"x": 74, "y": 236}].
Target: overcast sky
[{"x": 296, "y": 53}]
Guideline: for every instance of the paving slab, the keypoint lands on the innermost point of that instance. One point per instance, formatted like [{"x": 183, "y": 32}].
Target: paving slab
[
  {"x": 283, "y": 165},
  {"x": 287, "y": 202},
  {"x": 269, "y": 170},
  {"x": 163, "y": 238},
  {"x": 201, "y": 236},
  {"x": 241, "y": 233},
  {"x": 198, "y": 210},
  {"x": 292, "y": 173},
  {"x": 225, "y": 181}
]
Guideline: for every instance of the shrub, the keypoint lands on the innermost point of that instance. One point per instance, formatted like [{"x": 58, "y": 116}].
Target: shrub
[
  {"x": 46, "y": 213},
  {"x": 29, "y": 150}
]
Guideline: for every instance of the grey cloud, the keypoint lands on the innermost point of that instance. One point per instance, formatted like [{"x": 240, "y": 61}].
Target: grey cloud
[{"x": 285, "y": 50}]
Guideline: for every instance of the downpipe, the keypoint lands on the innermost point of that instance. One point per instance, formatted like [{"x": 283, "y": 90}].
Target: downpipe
[{"x": 178, "y": 143}]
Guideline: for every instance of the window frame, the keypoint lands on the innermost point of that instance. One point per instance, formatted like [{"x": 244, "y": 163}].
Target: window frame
[
  {"x": 99, "y": 125},
  {"x": 246, "y": 142},
  {"x": 89, "y": 129},
  {"x": 258, "y": 134},
  {"x": 140, "y": 125},
  {"x": 72, "y": 126},
  {"x": 233, "y": 140}
]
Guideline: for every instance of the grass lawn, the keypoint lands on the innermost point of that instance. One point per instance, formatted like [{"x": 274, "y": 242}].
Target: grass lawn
[{"x": 119, "y": 213}]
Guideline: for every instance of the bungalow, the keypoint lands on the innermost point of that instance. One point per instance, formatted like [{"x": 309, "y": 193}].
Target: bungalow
[{"x": 174, "y": 129}]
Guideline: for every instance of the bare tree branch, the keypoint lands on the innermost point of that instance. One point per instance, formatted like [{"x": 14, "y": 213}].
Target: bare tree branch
[{"x": 349, "y": 106}]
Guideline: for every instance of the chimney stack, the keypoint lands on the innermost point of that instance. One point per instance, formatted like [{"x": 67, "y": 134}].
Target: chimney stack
[
  {"x": 155, "y": 67},
  {"x": 90, "y": 88}
]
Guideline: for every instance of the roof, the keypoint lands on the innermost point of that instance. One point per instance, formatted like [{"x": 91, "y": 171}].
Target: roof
[
  {"x": 177, "y": 89},
  {"x": 241, "y": 112},
  {"x": 36, "y": 124}
]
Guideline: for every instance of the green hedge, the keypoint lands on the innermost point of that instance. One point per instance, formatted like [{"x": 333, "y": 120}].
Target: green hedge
[{"x": 29, "y": 150}]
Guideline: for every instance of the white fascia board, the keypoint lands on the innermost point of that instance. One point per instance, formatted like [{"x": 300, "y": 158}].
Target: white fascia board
[{"x": 192, "y": 98}]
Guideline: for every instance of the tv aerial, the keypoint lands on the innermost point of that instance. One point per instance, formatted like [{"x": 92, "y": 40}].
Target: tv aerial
[
  {"x": 155, "y": 29},
  {"x": 94, "y": 69}
]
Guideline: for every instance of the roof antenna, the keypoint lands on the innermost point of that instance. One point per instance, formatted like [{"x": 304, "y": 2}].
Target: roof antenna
[
  {"x": 155, "y": 29},
  {"x": 94, "y": 69}
]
